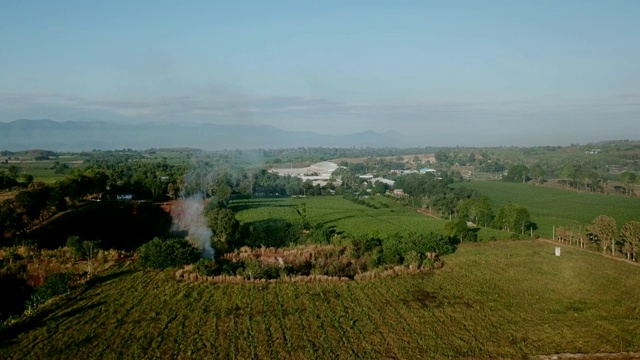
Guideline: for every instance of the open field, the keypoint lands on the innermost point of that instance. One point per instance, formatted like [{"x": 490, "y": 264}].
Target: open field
[
  {"x": 41, "y": 170},
  {"x": 44, "y": 169},
  {"x": 548, "y": 206},
  {"x": 498, "y": 299},
  {"x": 347, "y": 217}
]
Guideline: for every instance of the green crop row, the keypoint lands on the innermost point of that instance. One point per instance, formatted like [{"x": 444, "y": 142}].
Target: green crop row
[
  {"x": 346, "y": 217},
  {"x": 492, "y": 300},
  {"x": 551, "y": 207}
]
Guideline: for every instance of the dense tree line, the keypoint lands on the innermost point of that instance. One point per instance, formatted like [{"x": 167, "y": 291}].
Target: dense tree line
[
  {"x": 462, "y": 203},
  {"x": 13, "y": 178},
  {"x": 40, "y": 201},
  {"x": 104, "y": 181},
  {"x": 603, "y": 234}
]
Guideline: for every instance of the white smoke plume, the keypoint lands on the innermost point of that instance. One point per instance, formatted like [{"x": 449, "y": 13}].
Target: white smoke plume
[
  {"x": 188, "y": 215},
  {"x": 205, "y": 171}
]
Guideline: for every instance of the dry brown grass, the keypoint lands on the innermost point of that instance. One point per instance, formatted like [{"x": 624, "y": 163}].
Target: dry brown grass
[
  {"x": 35, "y": 265},
  {"x": 292, "y": 255},
  {"x": 322, "y": 255},
  {"x": 4, "y": 195}
]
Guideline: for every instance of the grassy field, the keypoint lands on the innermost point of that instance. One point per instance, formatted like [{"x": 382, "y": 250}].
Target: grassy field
[
  {"x": 42, "y": 170},
  {"x": 550, "y": 206},
  {"x": 347, "y": 217},
  {"x": 498, "y": 299}
]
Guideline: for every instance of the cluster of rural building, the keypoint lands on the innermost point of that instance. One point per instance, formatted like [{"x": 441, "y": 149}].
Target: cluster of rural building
[{"x": 321, "y": 174}]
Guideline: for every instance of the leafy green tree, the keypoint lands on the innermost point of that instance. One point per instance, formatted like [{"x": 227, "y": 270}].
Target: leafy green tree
[
  {"x": 597, "y": 180},
  {"x": 360, "y": 246},
  {"x": 604, "y": 232},
  {"x": 26, "y": 206},
  {"x": 12, "y": 221},
  {"x": 517, "y": 173},
  {"x": 27, "y": 179},
  {"x": 379, "y": 187},
  {"x": 511, "y": 217},
  {"x": 416, "y": 161},
  {"x": 396, "y": 247},
  {"x": 301, "y": 210},
  {"x": 75, "y": 243},
  {"x": 629, "y": 179},
  {"x": 538, "y": 173},
  {"x": 223, "y": 192},
  {"x": 483, "y": 211},
  {"x": 14, "y": 171},
  {"x": 164, "y": 253},
  {"x": 630, "y": 234},
  {"x": 575, "y": 173},
  {"x": 56, "y": 284},
  {"x": 307, "y": 186},
  {"x": 60, "y": 168},
  {"x": 476, "y": 209},
  {"x": 521, "y": 220},
  {"x": 471, "y": 159},
  {"x": 459, "y": 229},
  {"x": 294, "y": 186},
  {"x": 441, "y": 156},
  {"x": 224, "y": 225},
  {"x": 6, "y": 181},
  {"x": 504, "y": 219}
]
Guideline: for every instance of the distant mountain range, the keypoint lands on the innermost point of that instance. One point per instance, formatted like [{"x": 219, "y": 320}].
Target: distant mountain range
[{"x": 77, "y": 136}]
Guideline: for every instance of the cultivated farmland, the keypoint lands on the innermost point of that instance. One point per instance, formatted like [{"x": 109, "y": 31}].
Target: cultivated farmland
[
  {"x": 555, "y": 207},
  {"x": 383, "y": 219},
  {"x": 498, "y": 299}
]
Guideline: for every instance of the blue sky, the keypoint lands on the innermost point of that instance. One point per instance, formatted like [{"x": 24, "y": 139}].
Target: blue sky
[{"x": 457, "y": 72}]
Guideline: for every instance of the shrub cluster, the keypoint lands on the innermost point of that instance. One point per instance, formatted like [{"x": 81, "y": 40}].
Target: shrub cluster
[
  {"x": 270, "y": 233},
  {"x": 164, "y": 253},
  {"x": 414, "y": 251},
  {"x": 400, "y": 249},
  {"x": 56, "y": 284}
]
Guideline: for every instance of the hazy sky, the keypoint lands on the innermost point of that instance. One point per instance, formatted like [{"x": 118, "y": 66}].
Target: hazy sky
[{"x": 456, "y": 72}]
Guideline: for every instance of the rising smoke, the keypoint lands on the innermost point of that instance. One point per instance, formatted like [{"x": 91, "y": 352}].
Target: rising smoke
[
  {"x": 199, "y": 180},
  {"x": 188, "y": 215}
]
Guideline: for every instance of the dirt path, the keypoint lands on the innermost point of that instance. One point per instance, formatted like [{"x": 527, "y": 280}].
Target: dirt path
[
  {"x": 423, "y": 212},
  {"x": 52, "y": 218},
  {"x": 590, "y": 251}
]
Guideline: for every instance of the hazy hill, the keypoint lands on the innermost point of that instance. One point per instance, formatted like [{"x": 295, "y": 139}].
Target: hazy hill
[{"x": 75, "y": 136}]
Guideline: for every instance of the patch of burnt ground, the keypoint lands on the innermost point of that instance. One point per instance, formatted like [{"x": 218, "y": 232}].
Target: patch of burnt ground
[{"x": 429, "y": 299}]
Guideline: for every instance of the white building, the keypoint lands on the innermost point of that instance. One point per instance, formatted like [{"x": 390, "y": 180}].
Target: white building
[{"x": 318, "y": 173}]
